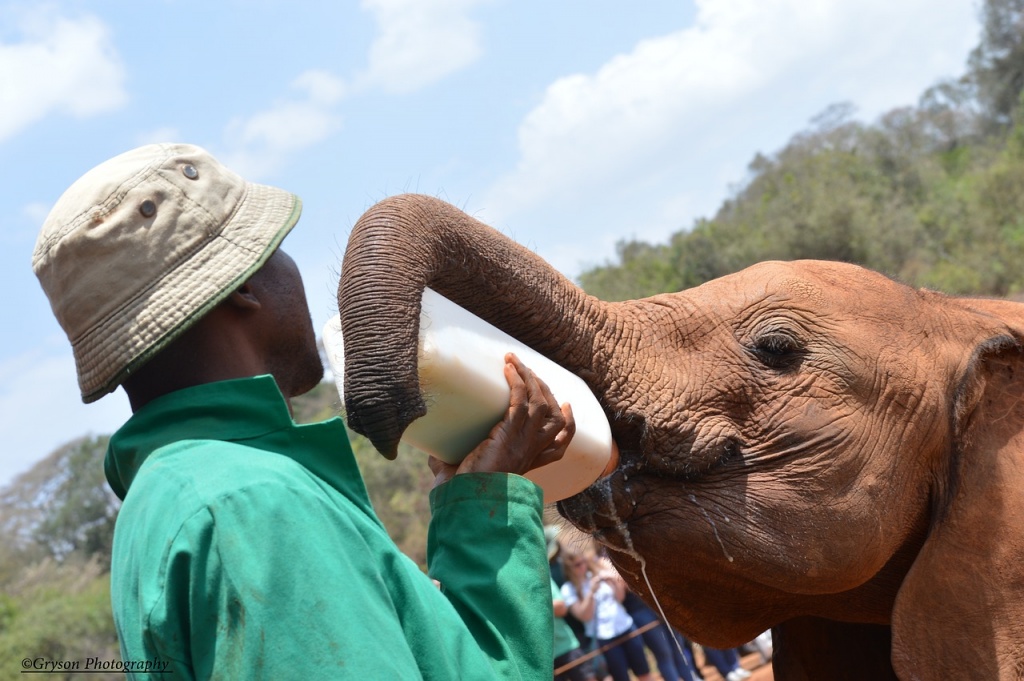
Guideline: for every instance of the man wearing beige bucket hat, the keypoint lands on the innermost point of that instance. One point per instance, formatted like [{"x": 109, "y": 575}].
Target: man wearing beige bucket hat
[{"x": 246, "y": 546}]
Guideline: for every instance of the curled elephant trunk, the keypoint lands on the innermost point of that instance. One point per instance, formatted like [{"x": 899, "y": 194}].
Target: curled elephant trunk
[{"x": 409, "y": 242}]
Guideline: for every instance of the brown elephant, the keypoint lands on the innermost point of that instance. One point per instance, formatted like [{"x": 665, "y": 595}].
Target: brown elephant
[{"x": 807, "y": 446}]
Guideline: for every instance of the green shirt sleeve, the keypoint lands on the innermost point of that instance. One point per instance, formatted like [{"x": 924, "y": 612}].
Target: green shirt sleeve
[{"x": 486, "y": 548}]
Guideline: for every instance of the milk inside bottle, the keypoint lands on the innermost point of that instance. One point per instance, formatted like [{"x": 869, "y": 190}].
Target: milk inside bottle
[{"x": 461, "y": 370}]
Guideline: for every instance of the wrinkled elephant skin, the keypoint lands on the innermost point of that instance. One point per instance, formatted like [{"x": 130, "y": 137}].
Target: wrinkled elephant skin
[{"x": 806, "y": 445}]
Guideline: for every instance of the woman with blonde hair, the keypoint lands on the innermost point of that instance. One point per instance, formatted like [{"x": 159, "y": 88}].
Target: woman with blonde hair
[{"x": 594, "y": 592}]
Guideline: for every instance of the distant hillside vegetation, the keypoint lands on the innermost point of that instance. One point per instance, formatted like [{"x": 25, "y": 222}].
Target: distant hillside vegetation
[{"x": 932, "y": 195}]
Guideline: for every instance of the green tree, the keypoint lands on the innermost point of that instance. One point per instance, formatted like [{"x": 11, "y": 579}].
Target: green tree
[
  {"x": 62, "y": 505},
  {"x": 996, "y": 65}
]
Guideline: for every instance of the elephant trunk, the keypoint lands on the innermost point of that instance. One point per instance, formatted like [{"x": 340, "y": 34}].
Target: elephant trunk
[{"x": 409, "y": 242}]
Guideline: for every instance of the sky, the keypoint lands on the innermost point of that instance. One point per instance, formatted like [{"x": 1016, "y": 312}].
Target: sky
[{"x": 568, "y": 125}]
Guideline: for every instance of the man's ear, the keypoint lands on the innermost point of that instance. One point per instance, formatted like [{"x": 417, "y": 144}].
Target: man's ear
[
  {"x": 961, "y": 605},
  {"x": 244, "y": 297}
]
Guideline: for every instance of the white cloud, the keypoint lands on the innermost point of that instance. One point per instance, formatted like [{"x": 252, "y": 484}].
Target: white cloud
[
  {"x": 158, "y": 135},
  {"x": 36, "y": 212},
  {"x": 419, "y": 42},
  {"x": 668, "y": 118},
  {"x": 260, "y": 143},
  {"x": 40, "y": 409},
  {"x": 21, "y": 233},
  {"x": 62, "y": 65},
  {"x": 323, "y": 87}
]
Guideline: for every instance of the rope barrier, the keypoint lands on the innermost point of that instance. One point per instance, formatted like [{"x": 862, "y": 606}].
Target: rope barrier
[{"x": 608, "y": 646}]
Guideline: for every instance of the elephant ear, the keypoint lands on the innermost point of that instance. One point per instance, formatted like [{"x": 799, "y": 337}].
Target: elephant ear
[{"x": 960, "y": 609}]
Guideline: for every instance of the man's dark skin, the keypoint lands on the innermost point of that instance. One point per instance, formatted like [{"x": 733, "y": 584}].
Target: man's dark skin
[{"x": 264, "y": 327}]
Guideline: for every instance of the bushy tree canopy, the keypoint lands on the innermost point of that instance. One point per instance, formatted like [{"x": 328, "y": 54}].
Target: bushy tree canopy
[
  {"x": 62, "y": 505},
  {"x": 996, "y": 65}
]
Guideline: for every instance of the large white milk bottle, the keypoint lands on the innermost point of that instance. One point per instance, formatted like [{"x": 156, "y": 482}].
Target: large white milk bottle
[{"x": 461, "y": 371}]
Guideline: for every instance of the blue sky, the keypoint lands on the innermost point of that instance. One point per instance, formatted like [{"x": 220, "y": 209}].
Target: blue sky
[{"x": 566, "y": 124}]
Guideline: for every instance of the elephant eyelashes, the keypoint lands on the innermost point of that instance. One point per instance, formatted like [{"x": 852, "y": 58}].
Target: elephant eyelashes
[{"x": 777, "y": 351}]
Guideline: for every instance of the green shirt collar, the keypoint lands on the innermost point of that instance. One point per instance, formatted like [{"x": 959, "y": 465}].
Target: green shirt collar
[{"x": 248, "y": 410}]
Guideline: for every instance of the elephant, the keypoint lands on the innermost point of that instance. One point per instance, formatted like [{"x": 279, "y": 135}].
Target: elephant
[{"x": 806, "y": 446}]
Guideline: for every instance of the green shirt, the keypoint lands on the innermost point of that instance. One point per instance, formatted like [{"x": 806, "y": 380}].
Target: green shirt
[{"x": 247, "y": 548}]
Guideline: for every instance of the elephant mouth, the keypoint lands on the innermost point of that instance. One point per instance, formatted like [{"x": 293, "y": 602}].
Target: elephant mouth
[
  {"x": 652, "y": 475},
  {"x": 706, "y": 450},
  {"x": 605, "y": 509}
]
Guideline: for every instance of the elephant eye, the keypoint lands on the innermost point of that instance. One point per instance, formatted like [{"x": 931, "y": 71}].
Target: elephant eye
[{"x": 777, "y": 350}]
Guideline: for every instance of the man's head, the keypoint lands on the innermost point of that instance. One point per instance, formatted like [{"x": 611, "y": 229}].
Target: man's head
[{"x": 147, "y": 244}]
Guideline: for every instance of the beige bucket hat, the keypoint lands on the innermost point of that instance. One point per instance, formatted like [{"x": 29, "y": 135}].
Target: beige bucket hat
[{"x": 145, "y": 244}]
